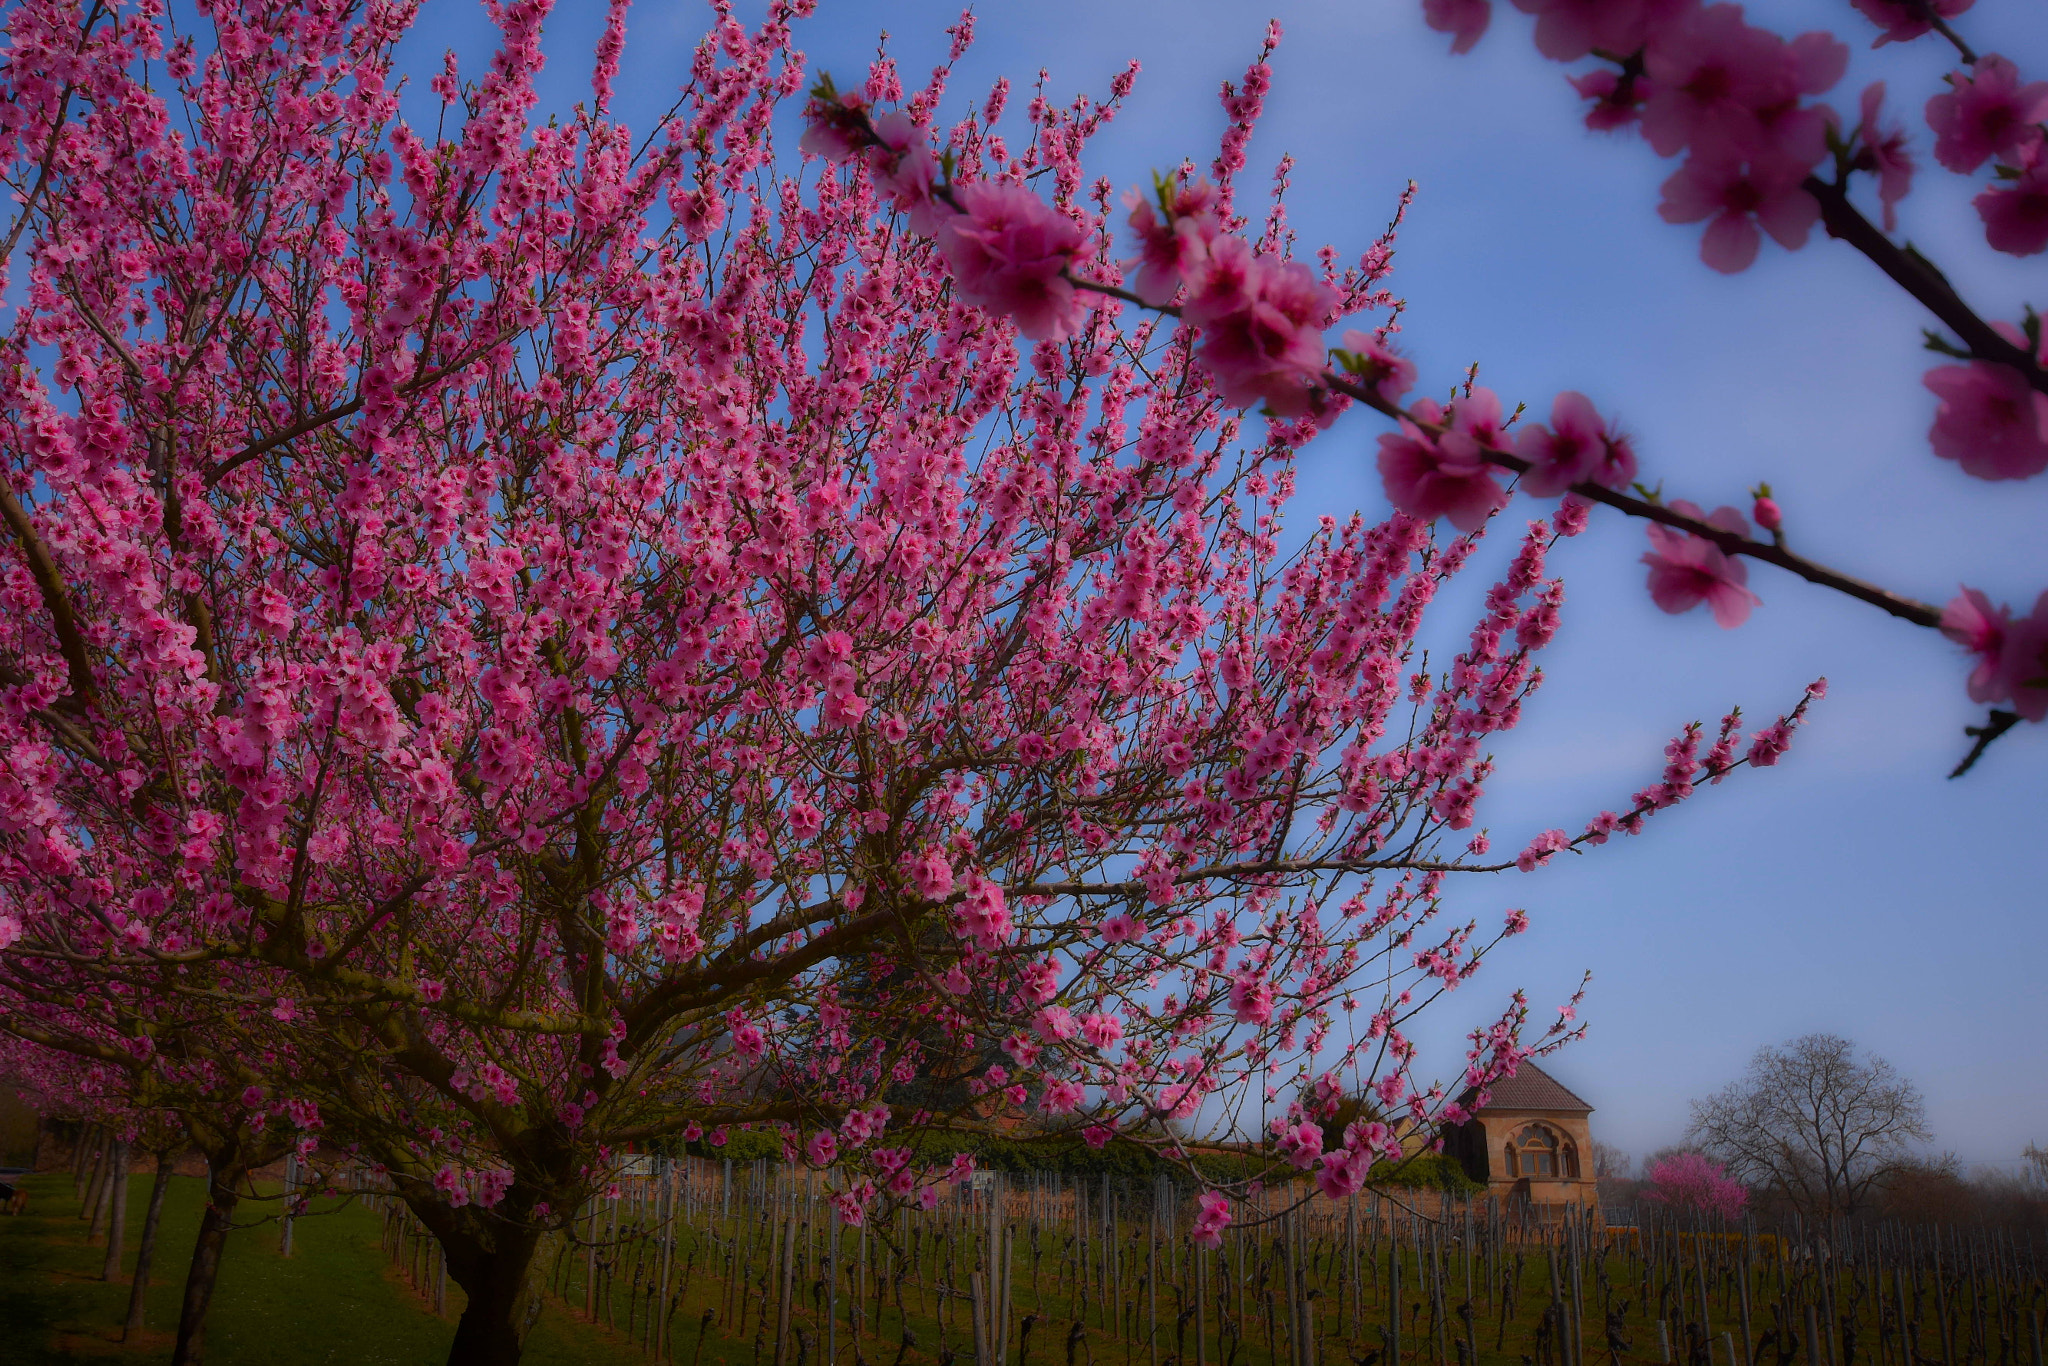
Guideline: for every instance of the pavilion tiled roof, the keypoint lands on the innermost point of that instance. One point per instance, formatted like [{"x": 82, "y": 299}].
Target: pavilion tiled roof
[{"x": 1532, "y": 1088}]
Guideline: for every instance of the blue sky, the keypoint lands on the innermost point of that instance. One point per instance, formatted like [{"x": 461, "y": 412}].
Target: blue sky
[{"x": 1852, "y": 889}]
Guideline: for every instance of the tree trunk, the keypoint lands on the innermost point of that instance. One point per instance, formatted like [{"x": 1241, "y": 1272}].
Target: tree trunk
[
  {"x": 103, "y": 1194},
  {"x": 214, "y": 1226},
  {"x": 492, "y": 1260},
  {"x": 145, "y": 1247},
  {"x": 117, "y": 1211},
  {"x": 89, "y": 1202},
  {"x": 80, "y": 1159}
]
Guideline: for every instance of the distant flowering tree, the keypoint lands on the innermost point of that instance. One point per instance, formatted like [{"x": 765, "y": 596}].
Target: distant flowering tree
[
  {"x": 164, "y": 1053},
  {"x": 571, "y": 639},
  {"x": 1694, "y": 1183},
  {"x": 1762, "y": 158}
]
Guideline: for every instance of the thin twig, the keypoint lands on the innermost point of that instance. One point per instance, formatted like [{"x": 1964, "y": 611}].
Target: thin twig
[{"x": 1995, "y": 725}]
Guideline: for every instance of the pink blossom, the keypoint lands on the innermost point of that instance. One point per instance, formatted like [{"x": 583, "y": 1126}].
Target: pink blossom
[
  {"x": 1301, "y": 1143},
  {"x": 1010, "y": 252},
  {"x": 1060, "y": 1098},
  {"x": 1728, "y": 90},
  {"x": 1904, "y": 20},
  {"x": 1261, "y": 322},
  {"x": 932, "y": 875},
  {"x": 983, "y": 916},
  {"x": 449, "y": 1183},
  {"x": 1973, "y": 623},
  {"x": 1344, "y": 1171},
  {"x": 1251, "y": 999},
  {"x": 1768, "y": 745},
  {"x": 1054, "y": 1023},
  {"x": 1990, "y": 420},
  {"x": 1739, "y": 196},
  {"x": 492, "y": 1186},
  {"x": 2011, "y": 653},
  {"x": 1385, "y": 371},
  {"x": 1542, "y": 849},
  {"x": 1986, "y": 113},
  {"x": 1883, "y": 152},
  {"x": 1686, "y": 570},
  {"x": 1429, "y": 477},
  {"x": 1042, "y": 980},
  {"x": 2024, "y": 662},
  {"x": 1617, "y": 103},
  {"x": 905, "y": 169},
  {"x": 1464, "y": 20},
  {"x": 1567, "y": 30},
  {"x": 749, "y": 1042},
  {"x": 1575, "y": 447},
  {"x": 1765, "y": 512},
  {"x": 2015, "y": 212},
  {"x": 1121, "y": 928},
  {"x": 1212, "y": 1216},
  {"x": 832, "y": 126},
  {"x": 1103, "y": 1031},
  {"x": 1174, "y": 251},
  {"x": 852, "y": 1203},
  {"x": 822, "y": 1148}
]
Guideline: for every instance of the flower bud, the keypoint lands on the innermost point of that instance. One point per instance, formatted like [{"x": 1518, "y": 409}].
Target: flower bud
[{"x": 1765, "y": 512}]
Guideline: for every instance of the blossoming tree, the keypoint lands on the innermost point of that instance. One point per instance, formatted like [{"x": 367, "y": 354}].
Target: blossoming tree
[
  {"x": 1693, "y": 1183},
  {"x": 570, "y": 635}
]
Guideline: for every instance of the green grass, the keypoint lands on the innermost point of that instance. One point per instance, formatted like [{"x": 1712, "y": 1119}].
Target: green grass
[{"x": 336, "y": 1299}]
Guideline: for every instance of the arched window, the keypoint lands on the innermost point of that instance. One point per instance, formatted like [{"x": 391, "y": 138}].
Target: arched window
[
  {"x": 1535, "y": 1151},
  {"x": 1571, "y": 1159}
]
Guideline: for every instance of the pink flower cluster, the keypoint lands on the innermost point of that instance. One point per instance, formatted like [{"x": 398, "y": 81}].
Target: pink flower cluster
[
  {"x": 1009, "y": 251},
  {"x": 1990, "y": 114},
  {"x": 1687, "y": 570},
  {"x": 1212, "y": 1216},
  {"x": 1707, "y": 84},
  {"x": 1260, "y": 317},
  {"x": 1991, "y": 421},
  {"x": 2011, "y": 653}
]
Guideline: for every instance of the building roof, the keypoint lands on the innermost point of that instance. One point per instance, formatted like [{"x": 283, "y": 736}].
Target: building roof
[{"x": 1532, "y": 1088}]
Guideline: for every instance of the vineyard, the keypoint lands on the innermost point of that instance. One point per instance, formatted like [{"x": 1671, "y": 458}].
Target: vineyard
[{"x": 745, "y": 1264}]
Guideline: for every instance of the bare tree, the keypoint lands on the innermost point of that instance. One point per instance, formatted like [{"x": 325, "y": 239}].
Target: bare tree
[
  {"x": 1813, "y": 1124},
  {"x": 2035, "y": 1173},
  {"x": 1611, "y": 1162},
  {"x": 1612, "y": 1168}
]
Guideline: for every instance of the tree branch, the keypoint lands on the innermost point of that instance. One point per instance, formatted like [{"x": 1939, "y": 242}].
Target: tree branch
[
  {"x": 70, "y": 640},
  {"x": 1917, "y": 275},
  {"x": 1998, "y": 723},
  {"x": 255, "y": 450},
  {"x": 1731, "y": 543}
]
